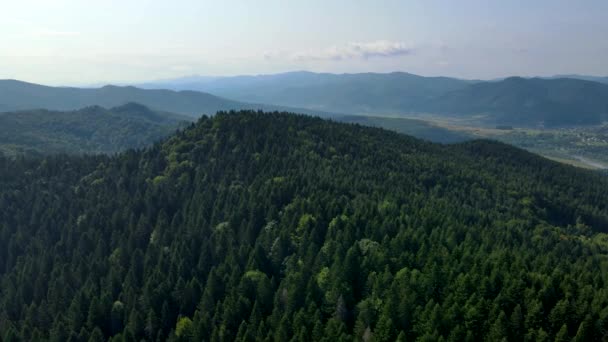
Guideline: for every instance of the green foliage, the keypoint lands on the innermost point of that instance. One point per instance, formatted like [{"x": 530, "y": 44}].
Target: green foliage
[
  {"x": 88, "y": 130},
  {"x": 272, "y": 226},
  {"x": 184, "y": 328}
]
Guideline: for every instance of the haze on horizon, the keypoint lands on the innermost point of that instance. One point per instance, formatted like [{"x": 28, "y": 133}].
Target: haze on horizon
[{"x": 61, "y": 42}]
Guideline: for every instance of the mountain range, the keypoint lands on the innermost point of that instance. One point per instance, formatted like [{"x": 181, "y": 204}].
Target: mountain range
[
  {"x": 345, "y": 93},
  {"x": 599, "y": 79},
  {"x": 517, "y": 101},
  {"x": 527, "y": 102},
  {"x": 17, "y": 95},
  {"x": 514, "y": 100}
]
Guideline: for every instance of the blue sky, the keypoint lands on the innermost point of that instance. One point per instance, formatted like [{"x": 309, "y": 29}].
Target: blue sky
[{"x": 83, "y": 42}]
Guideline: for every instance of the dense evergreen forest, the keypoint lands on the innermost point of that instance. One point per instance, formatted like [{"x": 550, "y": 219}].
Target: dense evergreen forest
[
  {"x": 280, "y": 227},
  {"x": 88, "y": 130}
]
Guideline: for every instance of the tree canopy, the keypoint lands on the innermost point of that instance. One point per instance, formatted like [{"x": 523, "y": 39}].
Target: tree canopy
[{"x": 279, "y": 227}]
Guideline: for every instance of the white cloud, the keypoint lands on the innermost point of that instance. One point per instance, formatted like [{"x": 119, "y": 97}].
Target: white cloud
[{"x": 380, "y": 48}]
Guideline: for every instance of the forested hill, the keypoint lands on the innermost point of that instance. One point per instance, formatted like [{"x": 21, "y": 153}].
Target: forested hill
[
  {"x": 251, "y": 226},
  {"x": 530, "y": 102},
  {"x": 87, "y": 130}
]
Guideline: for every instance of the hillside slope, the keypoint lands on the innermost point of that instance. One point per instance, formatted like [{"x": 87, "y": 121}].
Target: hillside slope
[
  {"x": 88, "y": 130},
  {"x": 530, "y": 102},
  {"x": 250, "y": 226}
]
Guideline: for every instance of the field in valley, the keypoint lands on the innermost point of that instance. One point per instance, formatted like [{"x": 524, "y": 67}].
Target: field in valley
[{"x": 585, "y": 146}]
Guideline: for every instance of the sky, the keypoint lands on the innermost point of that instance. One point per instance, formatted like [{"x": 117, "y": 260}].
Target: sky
[{"x": 75, "y": 42}]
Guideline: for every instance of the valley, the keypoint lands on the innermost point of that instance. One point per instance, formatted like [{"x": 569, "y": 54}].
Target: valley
[
  {"x": 582, "y": 146},
  {"x": 407, "y": 103},
  {"x": 562, "y": 118},
  {"x": 585, "y": 146}
]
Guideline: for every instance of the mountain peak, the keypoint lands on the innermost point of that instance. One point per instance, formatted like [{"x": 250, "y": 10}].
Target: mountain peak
[
  {"x": 132, "y": 107},
  {"x": 276, "y": 210}
]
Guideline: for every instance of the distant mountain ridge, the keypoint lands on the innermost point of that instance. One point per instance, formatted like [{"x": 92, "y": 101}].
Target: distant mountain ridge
[
  {"x": 600, "y": 79},
  {"x": 352, "y": 93},
  {"x": 17, "y": 95},
  {"x": 535, "y": 101},
  {"x": 514, "y": 100}
]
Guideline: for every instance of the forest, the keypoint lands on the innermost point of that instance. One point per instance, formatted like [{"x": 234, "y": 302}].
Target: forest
[
  {"x": 252, "y": 226},
  {"x": 88, "y": 130}
]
